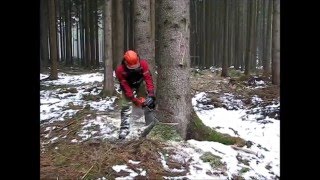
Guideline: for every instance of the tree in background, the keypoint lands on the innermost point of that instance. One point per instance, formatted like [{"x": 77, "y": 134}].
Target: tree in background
[
  {"x": 276, "y": 43},
  {"x": 53, "y": 40},
  {"x": 44, "y": 52},
  {"x": 224, "y": 72},
  {"x": 108, "y": 85},
  {"x": 143, "y": 43},
  {"x": 267, "y": 47},
  {"x": 143, "y": 35},
  {"x": 118, "y": 34}
]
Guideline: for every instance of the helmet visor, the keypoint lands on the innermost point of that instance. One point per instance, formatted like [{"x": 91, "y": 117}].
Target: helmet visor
[{"x": 134, "y": 66}]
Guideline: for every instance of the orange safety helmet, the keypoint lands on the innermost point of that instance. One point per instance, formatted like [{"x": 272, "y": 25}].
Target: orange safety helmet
[{"x": 131, "y": 59}]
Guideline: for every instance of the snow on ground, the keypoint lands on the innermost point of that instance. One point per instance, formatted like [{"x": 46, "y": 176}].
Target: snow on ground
[
  {"x": 265, "y": 137},
  {"x": 54, "y": 101},
  {"x": 74, "y": 79}
]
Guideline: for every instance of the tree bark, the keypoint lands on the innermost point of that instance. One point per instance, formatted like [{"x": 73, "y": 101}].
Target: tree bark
[
  {"x": 44, "y": 52},
  {"x": 53, "y": 40},
  {"x": 276, "y": 43},
  {"x": 173, "y": 93},
  {"x": 118, "y": 33},
  {"x": 142, "y": 28},
  {"x": 108, "y": 87},
  {"x": 96, "y": 24},
  {"x": 87, "y": 35},
  {"x": 67, "y": 33},
  {"x": 224, "y": 72},
  {"x": 267, "y": 64}
]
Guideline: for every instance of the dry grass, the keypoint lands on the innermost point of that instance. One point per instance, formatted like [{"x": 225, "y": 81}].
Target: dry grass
[{"x": 94, "y": 160}]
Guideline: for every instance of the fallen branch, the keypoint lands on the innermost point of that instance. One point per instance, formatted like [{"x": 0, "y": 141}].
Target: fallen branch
[
  {"x": 87, "y": 172},
  {"x": 171, "y": 124},
  {"x": 66, "y": 125},
  {"x": 72, "y": 122},
  {"x": 70, "y": 131},
  {"x": 244, "y": 150}
]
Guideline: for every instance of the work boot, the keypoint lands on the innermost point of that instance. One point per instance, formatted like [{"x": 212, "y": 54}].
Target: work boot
[
  {"x": 125, "y": 124},
  {"x": 123, "y": 133}
]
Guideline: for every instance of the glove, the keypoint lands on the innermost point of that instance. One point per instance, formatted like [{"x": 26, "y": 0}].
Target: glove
[
  {"x": 150, "y": 102},
  {"x": 139, "y": 101}
]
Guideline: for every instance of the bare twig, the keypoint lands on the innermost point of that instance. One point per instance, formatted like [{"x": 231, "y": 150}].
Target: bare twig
[
  {"x": 87, "y": 172},
  {"x": 70, "y": 131},
  {"x": 49, "y": 134},
  {"x": 171, "y": 124},
  {"x": 66, "y": 125},
  {"x": 244, "y": 150}
]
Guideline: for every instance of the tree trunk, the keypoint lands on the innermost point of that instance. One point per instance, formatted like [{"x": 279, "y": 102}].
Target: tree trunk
[
  {"x": 126, "y": 25},
  {"x": 108, "y": 86},
  {"x": 192, "y": 34},
  {"x": 173, "y": 93},
  {"x": 61, "y": 30},
  {"x": 96, "y": 23},
  {"x": 78, "y": 37},
  {"x": 221, "y": 31},
  {"x": 244, "y": 31},
  {"x": 87, "y": 34},
  {"x": 131, "y": 25},
  {"x": 210, "y": 32},
  {"x": 142, "y": 28},
  {"x": 276, "y": 43},
  {"x": 53, "y": 40},
  {"x": 153, "y": 31},
  {"x": 224, "y": 72},
  {"x": 82, "y": 33},
  {"x": 248, "y": 38},
  {"x": 237, "y": 35},
  {"x": 263, "y": 37},
  {"x": 68, "y": 32},
  {"x": 253, "y": 38},
  {"x": 44, "y": 57},
  {"x": 118, "y": 33},
  {"x": 230, "y": 32},
  {"x": 266, "y": 66},
  {"x": 91, "y": 34},
  {"x": 216, "y": 33},
  {"x": 198, "y": 37},
  {"x": 203, "y": 32}
]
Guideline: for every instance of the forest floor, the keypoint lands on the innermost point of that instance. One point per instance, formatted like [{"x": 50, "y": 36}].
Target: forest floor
[
  {"x": 64, "y": 156},
  {"x": 238, "y": 85}
]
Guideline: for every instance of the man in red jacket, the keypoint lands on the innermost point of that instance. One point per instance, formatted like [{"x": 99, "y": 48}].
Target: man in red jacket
[{"x": 131, "y": 73}]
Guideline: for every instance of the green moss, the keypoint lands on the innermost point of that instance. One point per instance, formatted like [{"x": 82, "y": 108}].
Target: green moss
[
  {"x": 214, "y": 161},
  {"x": 198, "y": 131},
  {"x": 244, "y": 170},
  {"x": 165, "y": 132},
  {"x": 235, "y": 73}
]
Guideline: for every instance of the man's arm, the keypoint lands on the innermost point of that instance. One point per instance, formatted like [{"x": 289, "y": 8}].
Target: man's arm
[
  {"x": 147, "y": 77},
  {"x": 124, "y": 84}
]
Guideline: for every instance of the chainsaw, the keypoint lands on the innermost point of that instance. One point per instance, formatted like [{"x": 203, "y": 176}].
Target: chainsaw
[{"x": 151, "y": 120}]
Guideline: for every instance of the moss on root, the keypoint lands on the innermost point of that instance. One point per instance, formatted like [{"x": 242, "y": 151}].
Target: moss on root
[
  {"x": 198, "y": 131},
  {"x": 164, "y": 132}
]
